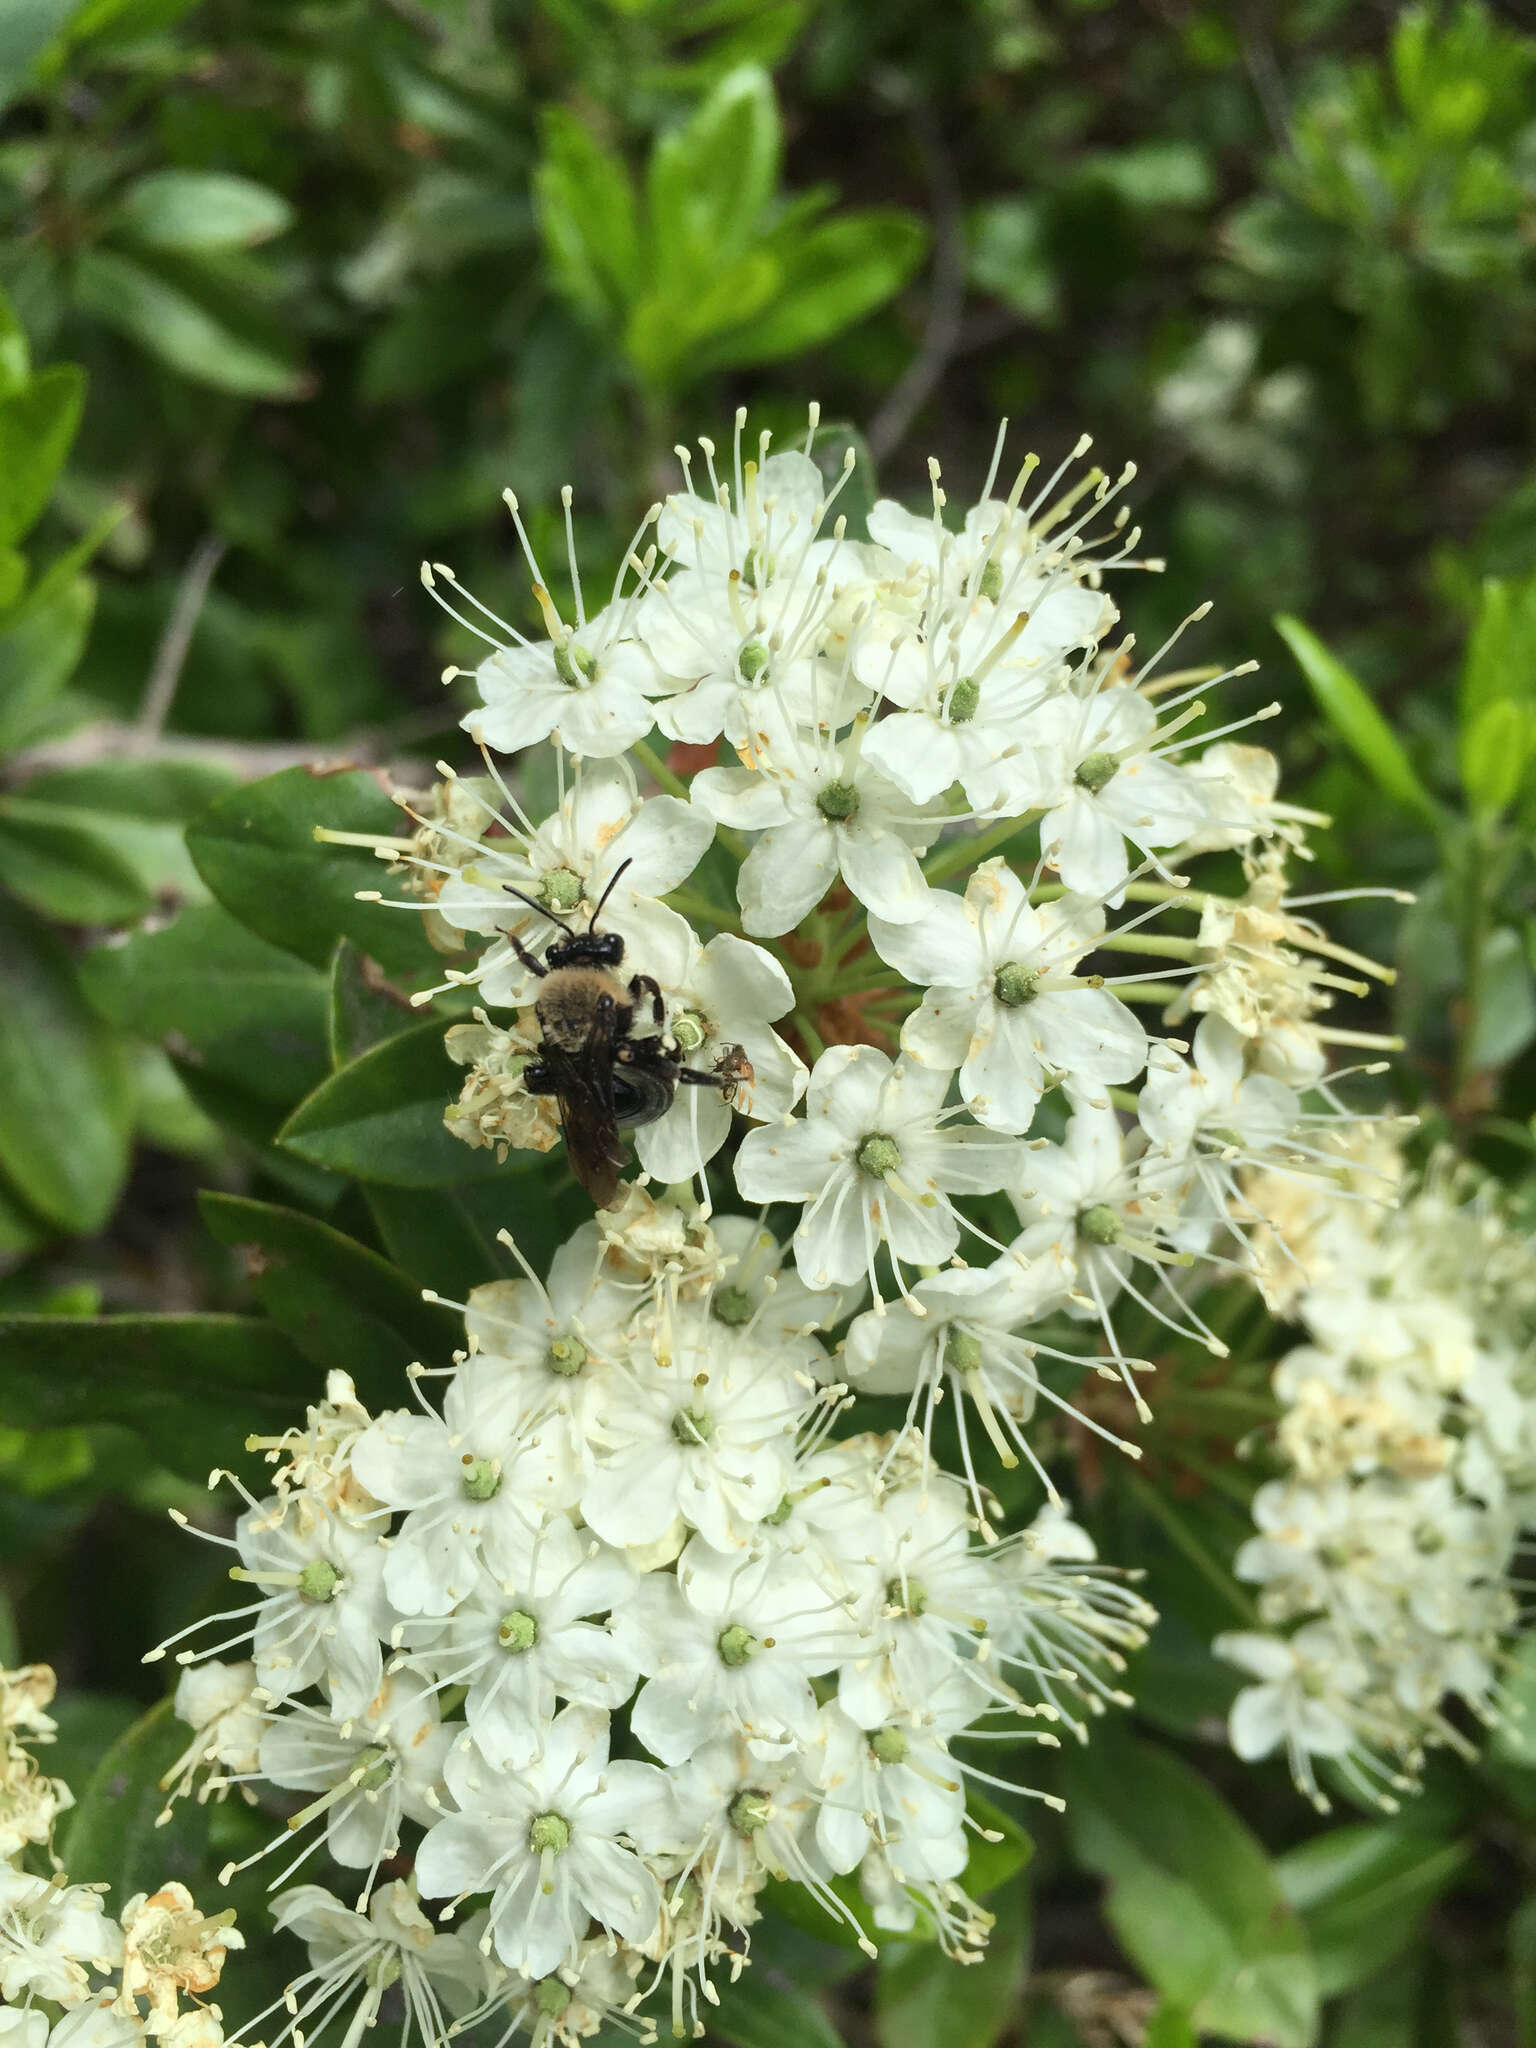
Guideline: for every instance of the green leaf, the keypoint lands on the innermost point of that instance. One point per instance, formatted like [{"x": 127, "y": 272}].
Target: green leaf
[
  {"x": 140, "y": 809},
  {"x": 1361, "y": 1892},
  {"x": 381, "y": 1118},
  {"x": 1514, "y": 1736},
  {"x": 924, "y": 2000},
  {"x": 1009, "y": 257},
  {"x": 1500, "y": 661},
  {"x": 192, "y": 1386},
  {"x": 256, "y": 849},
  {"x": 438, "y": 1239},
  {"x": 202, "y": 210},
  {"x": 1191, "y": 1896},
  {"x": 993, "y": 1863},
  {"x": 758, "y": 2013},
  {"x": 110, "y": 1836},
  {"x": 1522, "y": 1968},
  {"x": 250, "y": 1123},
  {"x": 1496, "y": 750},
  {"x": 26, "y": 29},
  {"x": 832, "y": 274},
  {"x": 1506, "y": 1011},
  {"x": 590, "y": 221},
  {"x": 1358, "y": 723},
  {"x": 165, "y": 317},
  {"x": 40, "y": 646},
  {"x": 364, "y": 1007},
  {"x": 710, "y": 180},
  {"x": 65, "y": 1105},
  {"x": 64, "y": 870},
  {"x": 341, "y": 1304},
  {"x": 15, "y": 353},
  {"x": 37, "y": 427},
  {"x": 251, "y": 1012}
]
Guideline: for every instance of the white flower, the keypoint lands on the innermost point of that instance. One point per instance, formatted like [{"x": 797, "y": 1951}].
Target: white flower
[
  {"x": 368, "y": 1775},
  {"x": 1103, "y": 780},
  {"x": 52, "y": 1936},
  {"x": 356, "y": 1960},
  {"x": 875, "y": 1159},
  {"x": 958, "y": 1333},
  {"x": 324, "y": 1607},
  {"x": 475, "y": 1483},
  {"x": 171, "y": 1949},
  {"x": 1304, "y": 1701},
  {"x": 588, "y": 688},
  {"x": 549, "y": 1843},
  {"x": 823, "y": 811},
  {"x": 1213, "y": 1114},
  {"x": 724, "y": 994},
  {"x": 519, "y": 1643},
  {"x": 701, "y": 1428},
  {"x": 218, "y": 1702},
  {"x": 895, "y": 1787},
  {"x": 728, "y": 1648},
  {"x": 756, "y": 1290},
  {"x": 1004, "y": 1004},
  {"x": 570, "y": 864}
]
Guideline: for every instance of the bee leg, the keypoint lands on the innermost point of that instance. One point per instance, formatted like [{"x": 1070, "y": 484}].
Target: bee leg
[
  {"x": 642, "y": 985},
  {"x": 531, "y": 961}
]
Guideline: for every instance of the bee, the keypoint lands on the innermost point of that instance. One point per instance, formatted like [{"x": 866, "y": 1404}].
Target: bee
[{"x": 604, "y": 1077}]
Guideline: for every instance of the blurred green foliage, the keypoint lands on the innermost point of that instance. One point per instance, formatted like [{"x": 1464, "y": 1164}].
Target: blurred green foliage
[{"x": 293, "y": 288}]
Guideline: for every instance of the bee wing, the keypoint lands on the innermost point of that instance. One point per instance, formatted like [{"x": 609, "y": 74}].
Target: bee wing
[{"x": 584, "y": 1089}]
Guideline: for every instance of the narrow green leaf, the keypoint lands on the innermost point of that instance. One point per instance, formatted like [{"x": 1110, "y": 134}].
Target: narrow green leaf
[
  {"x": 923, "y": 2000},
  {"x": 26, "y": 29},
  {"x": 1500, "y": 660},
  {"x": 15, "y": 351},
  {"x": 759, "y": 2013},
  {"x": 1362, "y": 1891},
  {"x": 238, "y": 1006},
  {"x": 364, "y": 1007},
  {"x": 710, "y": 179},
  {"x": 1356, "y": 720},
  {"x": 250, "y": 1124},
  {"x": 436, "y": 1238},
  {"x": 341, "y": 1304},
  {"x": 65, "y": 1105},
  {"x": 110, "y": 1836},
  {"x": 192, "y": 1386},
  {"x": 177, "y": 209},
  {"x": 1191, "y": 1896},
  {"x": 37, "y": 426},
  {"x": 40, "y": 646},
  {"x": 380, "y": 1119},
  {"x": 830, "y": 275},
  {"x": 187, "y": 335},
  {"x": 64, "y": 870},
  {"x": 589, "y": 218},
  {"x": 1495, "y": 753},
  {"x": 256, "y": 849}
]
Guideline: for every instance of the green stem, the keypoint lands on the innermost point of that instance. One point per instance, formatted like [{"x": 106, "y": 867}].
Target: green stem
[
  {"x": 815, "y": 1044},
  {"x": 1150, "y": 942},
  {"x": 1160, "y": 993},
  {"x": 691, "y": 904},
  {"x": 1474, "y": 945},
  {"x": 971, "y": 853},
  {"x": 658, "y": 770}
]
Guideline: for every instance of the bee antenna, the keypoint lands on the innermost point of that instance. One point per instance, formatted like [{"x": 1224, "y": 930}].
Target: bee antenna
[
  {"x": 543, "y": 909},
  {"x": 613, "y": 883}
]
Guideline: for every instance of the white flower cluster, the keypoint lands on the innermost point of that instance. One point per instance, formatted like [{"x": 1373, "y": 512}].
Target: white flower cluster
[
  {"x": 1386, "y": 1549},
  {"x": 638, "y": 1618},
  {"x": 71, "y": 1976},
  {"x": 627, "y": 1505}
]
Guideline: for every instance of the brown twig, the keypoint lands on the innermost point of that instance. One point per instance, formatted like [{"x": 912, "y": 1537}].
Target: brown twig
[
  {"x": 946, "y": 294},
  {"x": 171, "y": 654}
]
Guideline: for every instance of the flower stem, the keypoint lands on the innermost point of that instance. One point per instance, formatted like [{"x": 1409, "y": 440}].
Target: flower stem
[{"x": 964, "y": 853}]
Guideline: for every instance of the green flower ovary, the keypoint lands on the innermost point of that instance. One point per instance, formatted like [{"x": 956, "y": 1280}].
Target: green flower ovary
[
  {"x": 1095, "y": 771},
  {"x": 693, "y": 1426},
  {"x": 319, "y": 1581},
  {"x": 690, "y": 1030},
  {"x": 517, "y": 1631},
  {"x": 549, "y": 1834},
  {"x": 910, "y": 1595},
  {"x": 962, "y": 1350},
  {"x": 562, "y": 889},
  {"x": 732, "y": 1306},
  {"x": 480, "y": 1479},
  {"x": 878, "y": 1156},
  {"x": 566, "y": 1356},
  {"x": 752, "y": 660},
  {"x": 889, "y": 1746},
  {"x": 838, "y": 801},
  {"x": 573, "y": 665},
  {"x": 963, "y": 700},
  {"x": 736, "y": 1644},
  {"x": 1014, "y": 984},
  {"x": 1100, "y": 1224},
  {"x": 748, "y": 1813}
]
